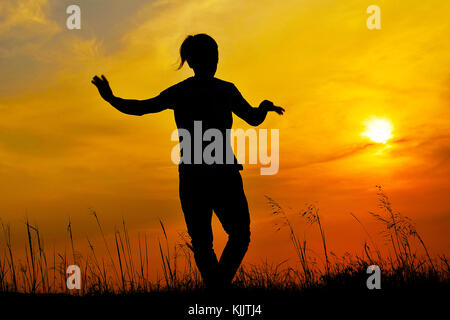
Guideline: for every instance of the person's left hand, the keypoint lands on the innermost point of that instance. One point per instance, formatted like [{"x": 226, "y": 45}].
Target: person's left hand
[{"x": 267, "y": 105}]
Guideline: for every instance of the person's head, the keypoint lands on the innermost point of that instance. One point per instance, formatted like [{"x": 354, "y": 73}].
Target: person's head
[{"x": 201, "y": 53}]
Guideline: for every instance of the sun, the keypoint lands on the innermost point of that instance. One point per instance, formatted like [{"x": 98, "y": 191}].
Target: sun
[{"x": 378, "y": 130}]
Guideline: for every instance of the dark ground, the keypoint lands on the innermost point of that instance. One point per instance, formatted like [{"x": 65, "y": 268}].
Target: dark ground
[{"x": 419, "y": 301}]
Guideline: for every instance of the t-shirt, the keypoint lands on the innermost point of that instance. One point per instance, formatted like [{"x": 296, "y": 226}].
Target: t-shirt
[{"x": 212, "y": 102}]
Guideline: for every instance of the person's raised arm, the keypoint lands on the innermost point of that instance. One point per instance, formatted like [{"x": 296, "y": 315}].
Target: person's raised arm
[
  {"x": 128, "y": 106},
  {"x": 253, "y": 116}
]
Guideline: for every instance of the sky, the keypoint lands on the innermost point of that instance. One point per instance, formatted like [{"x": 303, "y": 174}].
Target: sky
[{"x": 64, "y": 152}]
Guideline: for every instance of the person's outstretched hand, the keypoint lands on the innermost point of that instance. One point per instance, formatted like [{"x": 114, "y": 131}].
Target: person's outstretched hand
[
  {"x": 103, "y": 87},
  {"x": 267, "y": 105}
]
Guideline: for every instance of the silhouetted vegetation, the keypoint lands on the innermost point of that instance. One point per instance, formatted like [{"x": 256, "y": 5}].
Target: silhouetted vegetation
[{"x": 125, "y": 270}]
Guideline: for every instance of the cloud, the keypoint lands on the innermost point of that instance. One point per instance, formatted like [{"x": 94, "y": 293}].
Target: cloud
[
  {"x": 317, "y": 58},
  {"x": 433, "y": 152},
  {"x": 27, "y": 15},
  {"x": 24, "y": 26},
  {"x": 34, "y": 144}
]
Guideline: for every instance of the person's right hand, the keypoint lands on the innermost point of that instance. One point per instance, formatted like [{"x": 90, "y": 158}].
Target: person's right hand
[{"x": 103, "y": 87}]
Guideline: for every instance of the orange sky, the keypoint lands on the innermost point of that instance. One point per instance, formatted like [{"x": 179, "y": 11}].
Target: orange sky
[{"x": 64, "y": 151}]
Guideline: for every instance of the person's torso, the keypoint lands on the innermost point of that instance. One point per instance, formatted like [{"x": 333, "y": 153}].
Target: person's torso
[
  {"x": 204, "y": 109},
  {"x": 206, "y": 101}
]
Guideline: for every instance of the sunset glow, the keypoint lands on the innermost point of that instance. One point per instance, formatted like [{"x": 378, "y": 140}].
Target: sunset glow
[{"x": 349, "y": 93}]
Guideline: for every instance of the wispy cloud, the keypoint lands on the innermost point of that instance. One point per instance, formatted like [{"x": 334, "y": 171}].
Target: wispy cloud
[{"x": 25, "y": 17}]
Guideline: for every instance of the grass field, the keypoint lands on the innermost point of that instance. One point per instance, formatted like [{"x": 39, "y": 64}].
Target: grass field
[{"x": 408, "y": 271}]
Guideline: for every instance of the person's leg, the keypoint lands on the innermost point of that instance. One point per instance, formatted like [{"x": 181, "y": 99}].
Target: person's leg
[
  {"x": 198, "y": 215},
  {"x": 231, "y": 207}
]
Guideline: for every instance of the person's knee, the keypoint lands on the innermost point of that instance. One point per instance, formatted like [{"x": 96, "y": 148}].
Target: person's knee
[
  {"x": 240, "y": 238},
  {"x": 202, "y": 245}
]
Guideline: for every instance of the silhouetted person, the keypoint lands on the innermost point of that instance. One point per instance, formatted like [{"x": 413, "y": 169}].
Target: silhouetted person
[{"x": 205, "y": 188}]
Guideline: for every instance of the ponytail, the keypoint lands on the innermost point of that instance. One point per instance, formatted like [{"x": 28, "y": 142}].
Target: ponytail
[{"x": 185, "y": 50}]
